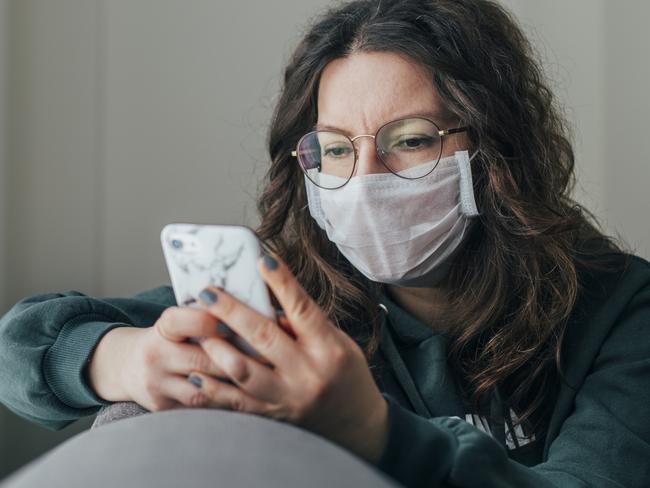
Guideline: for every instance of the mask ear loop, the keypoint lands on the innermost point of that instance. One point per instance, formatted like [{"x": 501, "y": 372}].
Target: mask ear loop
[{"x": 467, "y": 200}]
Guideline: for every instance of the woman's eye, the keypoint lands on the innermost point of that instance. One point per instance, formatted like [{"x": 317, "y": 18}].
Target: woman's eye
[
  {"x": 414, "y": 142},
  {"x": 336, "y": 152}
]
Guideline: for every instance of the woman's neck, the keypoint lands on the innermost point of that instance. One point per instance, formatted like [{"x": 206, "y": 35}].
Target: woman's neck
[{"x": 429, "y": 305}]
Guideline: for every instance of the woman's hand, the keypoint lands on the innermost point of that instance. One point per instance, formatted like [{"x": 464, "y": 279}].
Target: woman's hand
[
  {"x": 150, "y": 366},
  {"x": 320, "y": 380}
]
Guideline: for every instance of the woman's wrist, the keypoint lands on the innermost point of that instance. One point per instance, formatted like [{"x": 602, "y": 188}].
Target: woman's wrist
[
  {"x": 370, "y": 439},
  {"x": 378, "y": 434},
  {"x": 105, "y": 372}
]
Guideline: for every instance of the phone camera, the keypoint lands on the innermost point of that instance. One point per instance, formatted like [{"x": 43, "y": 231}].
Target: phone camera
[{"x": 177, "y": 244}]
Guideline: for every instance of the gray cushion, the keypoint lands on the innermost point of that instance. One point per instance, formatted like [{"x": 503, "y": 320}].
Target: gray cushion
[{"x": 197, "y": 447}]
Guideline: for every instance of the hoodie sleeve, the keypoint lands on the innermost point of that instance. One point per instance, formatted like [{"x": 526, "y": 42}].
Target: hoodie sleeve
[
  {"x": 604, "y": 441},
  {"x": 46, "y": 340}
]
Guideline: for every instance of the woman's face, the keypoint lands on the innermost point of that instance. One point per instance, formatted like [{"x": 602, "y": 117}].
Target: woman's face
[{"x": 360, "y": 93}]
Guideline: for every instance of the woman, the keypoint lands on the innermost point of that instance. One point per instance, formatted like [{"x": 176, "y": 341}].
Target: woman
[{"x": 452, "y": 315}]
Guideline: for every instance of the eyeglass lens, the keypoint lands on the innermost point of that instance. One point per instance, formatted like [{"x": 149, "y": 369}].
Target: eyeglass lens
[{"x": 410, "y": 148}]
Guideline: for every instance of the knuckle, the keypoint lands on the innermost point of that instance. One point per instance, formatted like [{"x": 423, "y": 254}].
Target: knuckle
[
  {"x": 211, "y": 346},
  {"x": 301, "y": 307},
  {"x": 168, "y": 314},
  {"x": 265, "y": 334},
  {"x": 198, "y": 361},
  {"x": 206, "y": 323},
  {"x": 150, "y": 354},
  {"x": 237, "y": 404},
  {"x": 198, "y": 399},
  {"x": 166, "y": 318},
  {"x": 238, "y": 369},
  {"x": 226, "y": 305}
]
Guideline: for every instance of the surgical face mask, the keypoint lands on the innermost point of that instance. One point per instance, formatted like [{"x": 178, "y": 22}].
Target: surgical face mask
[{"x": 396, "y": 230}]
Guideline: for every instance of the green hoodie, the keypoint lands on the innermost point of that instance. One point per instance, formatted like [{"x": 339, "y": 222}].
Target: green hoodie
[{"x": 597, "y": 434}]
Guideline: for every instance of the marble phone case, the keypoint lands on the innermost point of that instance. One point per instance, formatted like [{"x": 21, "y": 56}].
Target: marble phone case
[{"x": 220, "y": 255}]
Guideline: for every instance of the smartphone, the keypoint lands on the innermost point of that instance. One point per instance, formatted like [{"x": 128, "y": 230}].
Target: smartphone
[{"x": 219, "y": 255}]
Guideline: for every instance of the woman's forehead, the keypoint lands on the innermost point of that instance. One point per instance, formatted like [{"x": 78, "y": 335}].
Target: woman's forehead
[{"x": 364, "y": 90}]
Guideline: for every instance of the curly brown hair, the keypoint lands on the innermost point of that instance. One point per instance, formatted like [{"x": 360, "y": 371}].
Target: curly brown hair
[{"x": 516, "y": 280}]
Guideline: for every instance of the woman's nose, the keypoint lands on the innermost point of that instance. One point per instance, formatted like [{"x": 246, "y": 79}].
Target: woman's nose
[{"x": 368, "y": 161}]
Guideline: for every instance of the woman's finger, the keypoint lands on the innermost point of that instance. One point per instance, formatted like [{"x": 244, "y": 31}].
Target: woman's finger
[
  {"x": 248, "y": 374},
  {"x": 261, "y": 333},
  {"x": 218, "y": 394},
  {"x": 283, "y": 322},
  {"x": 179, "y": 390},
  {"x": 184, "y": 358},
  {"x": 177, "y": 324},
  {"x": 307, "y": 319}
]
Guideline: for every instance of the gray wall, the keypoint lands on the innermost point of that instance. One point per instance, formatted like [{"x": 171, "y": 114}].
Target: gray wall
[
  {"x": 4, "y": 24},
  {"x": 626, "y": 120},
  {"x": 124, "y": 115},
  {"x": 128, "y": 115},
  {"x": 4, "y": 420},
  {"x": 596, "y": 53}
]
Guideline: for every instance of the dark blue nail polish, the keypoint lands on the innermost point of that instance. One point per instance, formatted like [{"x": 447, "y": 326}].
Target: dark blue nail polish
[
  {"x": 223, "y": 330},
  {"x": 270, "y": 262},
  {"x": 195, "y": 380},
  {"x": 208, "y": 296}
]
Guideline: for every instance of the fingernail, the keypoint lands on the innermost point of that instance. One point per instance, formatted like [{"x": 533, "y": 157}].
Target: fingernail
[
  {"x": 223, "y": 329},
  {"x": 270, "y": 262},
  {"x": 208, "y": 296},
  {"x": 195, "y": 380}
]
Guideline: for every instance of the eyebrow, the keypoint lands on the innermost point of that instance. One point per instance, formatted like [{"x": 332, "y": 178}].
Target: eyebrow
[{"x": 436, "y": 117}]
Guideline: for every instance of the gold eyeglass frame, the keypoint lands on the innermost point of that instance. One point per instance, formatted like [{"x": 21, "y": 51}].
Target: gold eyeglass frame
[{"x": 441, "y": 133}]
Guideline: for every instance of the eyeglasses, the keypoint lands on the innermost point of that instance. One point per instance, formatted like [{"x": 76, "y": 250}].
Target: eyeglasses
[{"x": 410, "y": 148}]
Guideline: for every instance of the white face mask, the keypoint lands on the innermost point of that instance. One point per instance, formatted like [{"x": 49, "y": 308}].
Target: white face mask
[{"x": 395, "y": 230}]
